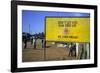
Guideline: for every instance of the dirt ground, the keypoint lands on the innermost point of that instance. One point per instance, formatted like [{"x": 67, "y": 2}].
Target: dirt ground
[{"x": 50, "y": 53}]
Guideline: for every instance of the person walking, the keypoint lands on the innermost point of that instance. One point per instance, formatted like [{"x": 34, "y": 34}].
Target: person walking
[
  {"x": 25, "y": 42},
  {"x": 35, "y": 39},
  {"x": 42, "y": 41},
  {"x": 31, "y": 40}
]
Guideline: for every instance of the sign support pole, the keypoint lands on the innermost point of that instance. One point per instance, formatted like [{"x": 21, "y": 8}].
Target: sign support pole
[{"x": 77, "y": 49}]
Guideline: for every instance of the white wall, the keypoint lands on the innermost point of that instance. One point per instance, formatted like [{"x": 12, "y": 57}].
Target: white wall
[{"x": 5, "y": 32}]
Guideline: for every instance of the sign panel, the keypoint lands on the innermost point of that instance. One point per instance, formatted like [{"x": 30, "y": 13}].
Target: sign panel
[{"x": 68, "y": 29}]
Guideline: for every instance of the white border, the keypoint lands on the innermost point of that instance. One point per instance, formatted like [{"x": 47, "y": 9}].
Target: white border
[{"x": 53, "y": 63}]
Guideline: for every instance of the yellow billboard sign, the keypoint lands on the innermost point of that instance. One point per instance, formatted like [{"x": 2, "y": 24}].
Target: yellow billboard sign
[{"x": 68, "y": 29}]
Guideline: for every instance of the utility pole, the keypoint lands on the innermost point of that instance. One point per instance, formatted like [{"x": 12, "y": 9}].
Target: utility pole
[
  {"x": 29, "y": 31},
  {"x": 29, "y": 28}
]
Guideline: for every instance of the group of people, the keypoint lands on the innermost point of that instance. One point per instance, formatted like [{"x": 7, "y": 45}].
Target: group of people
[
  {"x": 83, "y": 50},
  {"x": 33, "y": 41},
  {"x": 72, "y": 51}
]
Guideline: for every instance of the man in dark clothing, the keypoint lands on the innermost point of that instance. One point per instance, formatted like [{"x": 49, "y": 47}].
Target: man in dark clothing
[
  {"x": 42, "y": 42},
  {"x": 25, "y": 42},
  {"x": 35, "y": 39},
  {"x": 72, "y": 51},
  {"x": 31, "y": 40}
]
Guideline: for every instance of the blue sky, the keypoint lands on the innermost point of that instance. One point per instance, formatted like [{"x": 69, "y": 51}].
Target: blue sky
[{"x": 36, "y": 19}]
